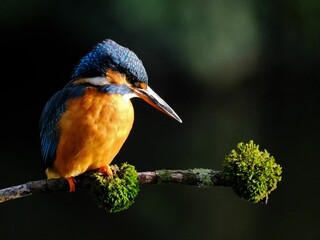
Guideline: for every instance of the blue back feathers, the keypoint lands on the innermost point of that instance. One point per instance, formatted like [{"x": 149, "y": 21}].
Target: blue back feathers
[
  {"x": 110, "y": 55},
  {"x": 51, "y": 114}
]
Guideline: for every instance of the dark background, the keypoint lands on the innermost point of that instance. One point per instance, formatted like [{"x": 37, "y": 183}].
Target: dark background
[{"x": 233, "y": 71}]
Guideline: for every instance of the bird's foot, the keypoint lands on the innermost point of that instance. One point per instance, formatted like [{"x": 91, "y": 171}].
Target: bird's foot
[
  {"x": 106, "y": 170},
  {"x": 72, "y": 181}
]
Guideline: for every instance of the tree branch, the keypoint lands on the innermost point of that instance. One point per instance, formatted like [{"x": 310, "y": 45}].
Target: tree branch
[
  {"x": 252, "y": 174},
  {"x": 194, "y": 177}
]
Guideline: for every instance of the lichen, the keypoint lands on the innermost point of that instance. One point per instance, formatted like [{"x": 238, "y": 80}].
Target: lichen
[
  {"x": 203, "y": 176},
  {"x": 253, "y": 174},
  {"x": 119, "y": 192},
  {"x": 164, "y": 176}
]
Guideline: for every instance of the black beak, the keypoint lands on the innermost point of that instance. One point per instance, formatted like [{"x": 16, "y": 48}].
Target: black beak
[{"x": 154, "y": 100}]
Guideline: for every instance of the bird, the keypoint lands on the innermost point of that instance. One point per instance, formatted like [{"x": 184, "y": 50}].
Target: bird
[{"x": 84, "y": 125}]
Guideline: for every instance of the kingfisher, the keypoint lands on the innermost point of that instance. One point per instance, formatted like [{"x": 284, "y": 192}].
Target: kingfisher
[{"x": 84, "y": 125}]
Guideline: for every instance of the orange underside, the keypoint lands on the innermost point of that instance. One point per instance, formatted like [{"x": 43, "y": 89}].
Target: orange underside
[{"x": 92, "y": 131}]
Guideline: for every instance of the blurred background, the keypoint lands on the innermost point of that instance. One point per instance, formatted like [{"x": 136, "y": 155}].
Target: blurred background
[{"x": 233, "y": 70}]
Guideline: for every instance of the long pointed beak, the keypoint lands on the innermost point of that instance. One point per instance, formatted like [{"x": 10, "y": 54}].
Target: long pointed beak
[{"x": 154, "y": 100}]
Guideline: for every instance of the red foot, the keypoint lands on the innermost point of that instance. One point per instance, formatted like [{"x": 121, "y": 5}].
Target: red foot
[
  {"x": 72, "y": 181},
  {"x": 106, "y": 170}
]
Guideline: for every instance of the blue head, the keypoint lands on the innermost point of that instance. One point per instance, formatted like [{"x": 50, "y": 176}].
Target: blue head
[
  {"x": 115, "y": 69},
  {"x": 108, "y": 55}
]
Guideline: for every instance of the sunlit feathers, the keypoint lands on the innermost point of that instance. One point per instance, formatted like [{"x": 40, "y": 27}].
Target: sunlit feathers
[{"x": 92, "y": 131}]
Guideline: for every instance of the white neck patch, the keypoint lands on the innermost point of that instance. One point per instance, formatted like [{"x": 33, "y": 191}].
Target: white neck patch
[
  {"x": 102, "y": 81},
  {"x": 97, "y": 81}
]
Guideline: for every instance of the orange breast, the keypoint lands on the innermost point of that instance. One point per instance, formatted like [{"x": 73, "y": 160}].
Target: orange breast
[{"x": 92, "y": 131}]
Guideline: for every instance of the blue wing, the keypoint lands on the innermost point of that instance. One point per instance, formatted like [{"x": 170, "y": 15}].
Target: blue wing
[{"x": 51, "y": 114}]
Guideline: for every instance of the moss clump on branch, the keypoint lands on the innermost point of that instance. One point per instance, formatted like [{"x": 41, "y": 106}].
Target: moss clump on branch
[
  {"x": 253, "y": 174},
  {"x": 118, "y": 193}
]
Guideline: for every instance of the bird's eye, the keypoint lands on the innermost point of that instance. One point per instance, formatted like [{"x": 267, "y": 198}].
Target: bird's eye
[
  {"x": 137, "y": 84},
  {"x": 140, "y": 85}
]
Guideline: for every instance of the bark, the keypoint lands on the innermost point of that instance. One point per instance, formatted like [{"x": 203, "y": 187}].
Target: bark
[{"x": 195, "y": 177}]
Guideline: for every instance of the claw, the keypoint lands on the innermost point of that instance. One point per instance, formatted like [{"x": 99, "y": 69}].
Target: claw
[
  {"x": 106, "y": 170},
  {"x": 72, "y": 181}
]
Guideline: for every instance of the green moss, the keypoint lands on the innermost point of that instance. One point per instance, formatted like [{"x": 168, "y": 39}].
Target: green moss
[
  {"x": 253, "y": 174},
  {"x": 118, "y": 193}
]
